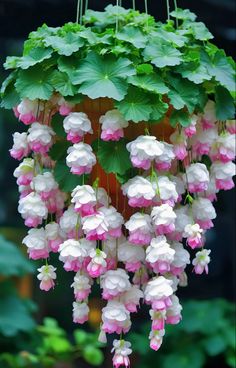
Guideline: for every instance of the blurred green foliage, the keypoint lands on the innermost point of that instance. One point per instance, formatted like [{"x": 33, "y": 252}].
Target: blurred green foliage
[{"x": 206, "y": 335}]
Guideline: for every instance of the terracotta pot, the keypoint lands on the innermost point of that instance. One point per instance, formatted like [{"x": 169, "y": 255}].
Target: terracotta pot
[{"x": 94, "y": 109}]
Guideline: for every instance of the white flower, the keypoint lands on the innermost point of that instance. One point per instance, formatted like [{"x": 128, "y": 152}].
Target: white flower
[
  {"x": 192, "y": 230},
  {"x": 110, "y": 246},
  {"x": 223, "y": 148},
  {"x": 159, "y": 250},
  {"x": 36, "y": 243},
  {"x": 197, "y": 177},
  {"x": 80, "y": 312},
  {"x": 25, "y": 167},
  {"x": 181, "y": 256},
  {"x": 140, "y": 229},
  {"x": 97, "y": 265},
  {"x": 114, "y": 220},
  {"x": 39, "y": 134},
  {"x": 143, "y": 150},
  {"x": 52, "y": 230},
  {"x": 166, "y": 189},
  {"x": 174, "y": 310},
  {"x": 68, "y": 220},
  {"x": 32, "y": 208},
  {"x": 84, "y": 198},
  {"x": 47, "y": 276},
  {"x": 20, "y": 146},
  {"x": 102, "y": 197},
  {"x": 222, "y": 171},
  {"x": 27, "y": 106},
  {"x": 139, "y": 191},
  {"x": 201, "y": 261},
  {"x": 82, "y": 286},
  {"x": 44, "y": 184},
  {"x": 163, "y": 161},
  {"x": 114, "y": 283},
  {"x": 131, "y": 297},
  {"x": 80, "y": 158},
  {"x": 182, "y": 218},
  {"x": 72, "y": 248},
  {"x": 163, "y": 218},
  {"x": 130, "y": 253},
  {"x": 179, "y": 184},
  {"x": 77, "y": 122},
  {"x": 157, "y": 289},
  {"x": 115, "y": 317},
  {"x": 203, "y": 209},
  {"x": 112, "y": 125},
  {"x": 95, "y": 226}
]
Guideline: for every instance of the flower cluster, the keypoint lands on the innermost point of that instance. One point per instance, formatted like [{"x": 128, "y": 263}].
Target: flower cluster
[{"x": 143, "y": 257}]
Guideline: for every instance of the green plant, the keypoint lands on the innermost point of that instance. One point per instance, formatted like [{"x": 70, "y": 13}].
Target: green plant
[{"x": 205, "y": 333}]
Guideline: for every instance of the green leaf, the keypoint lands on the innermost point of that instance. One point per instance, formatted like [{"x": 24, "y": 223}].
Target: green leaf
[
  {"x": 159, "y": 109},
  {"x": 59, "y": 150},
  {"x": 224, "y": 104},
  {"x": 80, "y": 337},
  {"x": 12, "y": 260},
  {"x": 184, "y": 93},
  {"x": 9, "y": 96},
  {"x": 136, "y": 106},
  {"x": 151, "y": 83},
  {"x": 57, "y": 126},
  {"x": 34, "y": 83},
  {"x": 103, "y": 76},
  {"x": 132, "y": 35},
  {"x": 113, "y": 156},
  {"x": 218, "y": 66},
  {"x": 67, "y": 181},
  {"x": 169, "y": 36},
  {"x": 183, "y": 14},
  {"x": 162, "y": 54},
  {"x": 184, "y": 359},
  {"x": 11, "y": 62},
  {"x": 144, "y": 69},
  {"x": 61, "y": 83},
  {"x": 215, "y": 345},
  {"x": 36, "y": 55},
  {"x": 180, "y": 117},
  {"x": 68, "y": 64},
  {"x": 194, "y": 72},
  {"x": 93, "y": 355},
  {"x": 66, "y": 45},
  {"x": 200, "y": 31}
]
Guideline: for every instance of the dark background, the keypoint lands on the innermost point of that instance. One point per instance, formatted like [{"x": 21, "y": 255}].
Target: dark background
[{"x": 17, "y": 19}]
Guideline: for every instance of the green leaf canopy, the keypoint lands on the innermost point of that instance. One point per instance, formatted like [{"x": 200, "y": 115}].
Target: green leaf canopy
[{"x": 162, "y": 54}]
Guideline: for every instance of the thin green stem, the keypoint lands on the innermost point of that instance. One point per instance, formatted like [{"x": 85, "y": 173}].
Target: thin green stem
[
  {"x": 134, "y": 6},
  {"x": 77, "y": 11},
  {"x": 117, "y": 20},
  {"x": 176, "y": 7},
  {"x": 86, "y": 5},
  {"x": 168, "y": 9},
  {"x": 81, "y": 11},
  {"x": 146, "y": 6}
]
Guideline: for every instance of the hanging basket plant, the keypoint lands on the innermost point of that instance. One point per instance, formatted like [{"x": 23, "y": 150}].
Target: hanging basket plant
[{"x": 129, "y": 141}]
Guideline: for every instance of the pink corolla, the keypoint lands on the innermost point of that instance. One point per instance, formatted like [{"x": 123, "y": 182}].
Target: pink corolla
[
  {"x": 80, "y": 158},
  {"x": 122, "y": 350},
  {"x": 201, "y": 261},
  {"x": 191, "y": 129},
  {"x": 193, "y": 233},
  {"x": 223, "y": 148},
  {"x": 36, "y": 244},
  {"x": 156, "y": 338},
  {"x": 131, "y": 298},
  {"x": 223, "y": 173},
  {"x": 74, "y": 252},
  {"x": 173, "y": 313},
  {"x": 20, "y": 146},
  {"x": 209, "y": 115},
  {"x": 40, "y": 138},
  {"x": 47, "y": 275},
  {"x": 157, "y": 293},
  {"x": 80, "y": 312},
  {"x": 84, "y": 198},
  {"x": 158, "y": 319},
  {"x": 165, "y": 191},
  {"x": 82, "y": 286},
  {"x": 163, "y": 219},
  {"x": 95, "y": 226},
  {"x": 197, "y": 178},
  {"x": 115, "y": 318},
  {"x": 159, "y": 255},
  {"x": 181, "y": 259},
  {"x": 32, "y": 209},
  {"x": 140, "y": 229},
  {"x": 114, "y": 283},
  {"x": 163, "y": 162},
  {"x": 44, "y": 185},
  {"x": 28, "y": 110},
  {"x": 203, "y": 140},
  {"x": 131, "y": 255},
  {"x": 114, "y": 220},
  {"x": 53, "y": 236},
  {"x": 179, "y": 145},
  {"x": 143, "y": 150},
  {"x": 97, "y": 265},
  {"x": 203, "y": 213},
  {"x": 76, "y": 125},
  {"x": 25, "y": 172},
  {"x": 112, "y": 124},
  {"x": 65, "y": 107},
  {"x": 139, "y": 192}
]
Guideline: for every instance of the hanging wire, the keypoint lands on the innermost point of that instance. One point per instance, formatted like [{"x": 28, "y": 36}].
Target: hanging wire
[
  {"x": 134, "y": 6},
  {"x": 176, "y": 7},
  {"x": 86, "y": 5},
  {"x": 81, "y": 11},
  {"x": 146, "y": 7},
  {"x": 77, "y": 11},
  {"x": 117, "y": 20}
]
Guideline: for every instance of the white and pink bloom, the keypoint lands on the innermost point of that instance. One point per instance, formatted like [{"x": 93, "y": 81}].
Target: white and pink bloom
[
  {"x": 122, "y": 351},
  {"x": 223, "y": 173},
  {"x": 157, "y": 293},
  {"x": 139, "y": 192},
  {"x": 197, "y": 178},
  {"x": 131, "y": 298},
  {"x": 191, "y": 129},
  {"x": 158, "y": 319},
  {"x": 131, "y": 255},
  {"x": 72, "y": 254},
  {"x": 65, "y": 107},
  {"x": 114, "y": 283},
  {"x": 112, "y": 124},
  {"x": 203, "y": 213},
  {"x": 28, "y": 110},
  {"x": 36, "y": 243},
  {"x": 25, "y": 171},
  {"x": 47, "y": 275},
  {"x": 163, "y": 218},
  {"x": 156, "y": 338},
  {"x": 80, "y": 158},
  {"x": 82, "y": 286},
  {"x": 231, "y": 126},
  {"x": 115, "y": 318},
  {"x": 209, "y": 115},
  {"x": 183, "y": 218},
  {"x": 44, "y": 184},
  {"x": 201, "y": 261},
  {"x": 84, "y": 198},
  {"x": 173, "y": 313},
  {"x": 140, "y": 229},
  {"x": 95, "y": 226},
  {"x": 166, "y": 191},
  {"x": 32, "y": 209},
  {"x": 143, "y": 150},
  {"x": 160, "y": 255},
  {"x": 223, "y": 148},
  {"x": 203, "y": 140},
  {"x": 179, "y": 141},
  {"x": 181, "y": 259},
  {"x": 69, "y": 223},
  {"x": 40, "y": 138},
  {"x": 193, "y": 233},
  {"x": 80, "y": 312},
  {"x": 114, "y": 219},
  {"x": 53, "y": 236},
  {"x": 20, "y": 146},
  {"x": 76, "y": 125},
  {"x": 97, "y": 265},
  {"x": 163, "y": 161}
]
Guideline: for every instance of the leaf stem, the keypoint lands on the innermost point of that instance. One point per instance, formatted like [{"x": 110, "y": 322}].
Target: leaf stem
[
  {"x": 77, "y": 11},
  {"x": 168, "y": 9}
]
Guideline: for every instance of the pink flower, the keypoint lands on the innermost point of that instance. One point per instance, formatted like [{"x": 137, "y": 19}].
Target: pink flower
[
  {"x": 139, "y": 191},
  {"x": 47, "y": 276},
  {"x": 20, "y": 147},
  {"x": 112, "y": 125},
  {"x": 95, "y": 226},
  {"x": 97, "y": 265},
  {"x": 201, "y": 261},
  {"x": 36, "y": 243},
  {"x": 80, "y": 158},
  {"x": 40, "y": 138},
  {"x": 180, "y": 145},
  {"x": 173, "y": 313},
  {"x": 163, "y": 218},
  {"x": 122, "y": 351},
  {"x": 76, "y": 125},
  {"x": 197, "y": 177},
  {"x": 156, "y": 338},
  {"x": 193, "y": 233},
  {"x": 82, "y": 286},
  {"x": 80, "y": 312}
]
